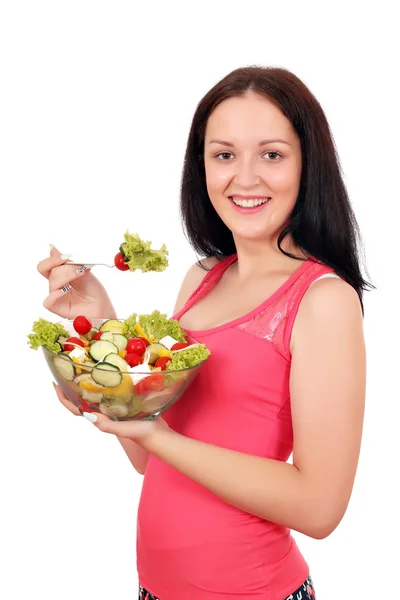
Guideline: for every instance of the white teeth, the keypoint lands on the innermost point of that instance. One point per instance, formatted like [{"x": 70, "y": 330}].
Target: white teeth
[{"x": 249, "y": 203}]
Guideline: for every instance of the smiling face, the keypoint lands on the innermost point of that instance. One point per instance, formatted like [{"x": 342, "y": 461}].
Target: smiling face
[{"x": 253, "y": 163}]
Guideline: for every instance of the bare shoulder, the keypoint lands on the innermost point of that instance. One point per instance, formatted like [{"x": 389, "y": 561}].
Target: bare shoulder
[
  {"x": 327, "y": 302},
  {"x": 327, "y": 395},
  {"x": 192, "y": 280}
]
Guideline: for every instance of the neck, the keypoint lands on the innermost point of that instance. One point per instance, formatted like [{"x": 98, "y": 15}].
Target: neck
[{"x": 260, "y": 257}]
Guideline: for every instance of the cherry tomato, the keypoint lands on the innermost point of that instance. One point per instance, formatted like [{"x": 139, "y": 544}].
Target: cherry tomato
[
  {"x": 98, "y": 335},
  {"x": 162, "y": 362},
  {"x": 85, "y": 407},
  {"x": 152, "y": 383},
  {"x": 74, "y": 340},
  {"x": 179, "y": 345},
  {"x": 146, "y": 342},
  {"x": 136, "y": 345},
  {"x": 82, "y": 325},
  {"x": 120, "y": 263},
  {"x": 133, "y": 359}
]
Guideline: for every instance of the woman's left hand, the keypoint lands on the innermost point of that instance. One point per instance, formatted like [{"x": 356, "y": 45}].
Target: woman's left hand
[{"x": 140, "y": 431}]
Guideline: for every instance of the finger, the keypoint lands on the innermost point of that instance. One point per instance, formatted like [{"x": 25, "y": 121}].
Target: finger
[
  {"x": 52, "y": 299},
  {"x": 133, "y": 430},
  {"x": 54, "y": 260},
  {"x": 65, "y": 402},
  {"x": 64, "y": 275}
]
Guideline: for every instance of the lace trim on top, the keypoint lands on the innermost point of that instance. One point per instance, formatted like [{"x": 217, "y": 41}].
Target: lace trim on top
[{"x": 275, "y": 322}]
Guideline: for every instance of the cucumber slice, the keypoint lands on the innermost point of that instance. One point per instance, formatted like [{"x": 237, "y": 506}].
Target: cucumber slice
[
  {"x": 117, "y": 360},
  {"x": 107, "y": 336},
  {"x": 65, "y": 366},
  {"x": 107, "y": 375},
  {"x": 119, "y": 340},
  {"x": 112, "y": 325},
  {"x": 61, "y": 340},
  {"x": 87, "y": 365},
  {"x": 101, "y": 348}
]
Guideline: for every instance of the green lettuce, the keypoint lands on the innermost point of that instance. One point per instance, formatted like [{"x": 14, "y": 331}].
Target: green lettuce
[
  {"x": 46, "y": 334},
  {"x": 129, "y": 326},
  {"x": 188, "y": 357},
  {"x": 140, "y": 256},
  {"x": 153, "y": 326}
]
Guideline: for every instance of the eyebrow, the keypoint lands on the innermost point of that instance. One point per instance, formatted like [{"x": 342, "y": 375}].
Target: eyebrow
[{"x": 262, "y": 143}]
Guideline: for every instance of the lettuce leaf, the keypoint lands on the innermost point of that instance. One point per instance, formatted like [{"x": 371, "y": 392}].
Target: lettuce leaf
[
  {"x": 153, "y": 327},
  {"x": 46, "y": 334},
  {"x": 140, "y": 256},
  {"x": 188, "y": 357},
  {"x": 129, "y": 326}
]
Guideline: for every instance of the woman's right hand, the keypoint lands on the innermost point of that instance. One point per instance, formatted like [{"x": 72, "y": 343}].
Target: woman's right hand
[{"x": 72, "y": 293}]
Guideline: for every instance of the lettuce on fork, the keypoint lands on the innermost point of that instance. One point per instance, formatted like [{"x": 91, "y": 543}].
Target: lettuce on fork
[
  {"x": 153, "y": 327},
  {"x": 139, "y": 255},
  {"x": 46, "y": 334},
  {"x": 188, "y": 357}
]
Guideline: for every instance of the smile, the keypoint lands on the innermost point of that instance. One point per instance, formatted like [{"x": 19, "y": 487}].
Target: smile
[{"x": 248, "y": 202}]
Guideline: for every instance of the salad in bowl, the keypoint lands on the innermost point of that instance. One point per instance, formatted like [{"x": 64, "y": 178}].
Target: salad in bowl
[{"x": 134, "y": 368}]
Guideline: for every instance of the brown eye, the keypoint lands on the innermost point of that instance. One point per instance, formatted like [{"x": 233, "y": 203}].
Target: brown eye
[
  {"x": 276, "y": 154},
  {"x": 223, "y": 154}
]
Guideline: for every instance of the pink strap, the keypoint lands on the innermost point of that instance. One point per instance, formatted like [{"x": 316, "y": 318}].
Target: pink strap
[{"x": 206, "y": 284}]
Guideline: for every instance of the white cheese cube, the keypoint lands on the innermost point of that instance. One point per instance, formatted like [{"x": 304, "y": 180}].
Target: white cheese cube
[
  {"x": 143, "y": 371},
  {"x": 78, "y": 353},
  {"x": 168, "y": 341}
]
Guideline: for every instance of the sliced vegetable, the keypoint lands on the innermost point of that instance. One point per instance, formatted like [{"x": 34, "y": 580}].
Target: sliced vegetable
[
  {"x": 107, "y": 375},
  {"x": 117, "y": 408},
  {"x": 71, "y": 343},
  {"x": 100, "y": 349},
  {"x": 108, "y": 336},
  {"x": 162, "y": 362},
  {"x": 120, "y": 341},
  {"x": 154, "y": 382},
  {"x": 155, "y": 351},
  {"x": 117, "y": 360},
  {"x": 179, "y": 346},
  {"x": 65, "y": 366},
  {"x": 113, "y": 325}
]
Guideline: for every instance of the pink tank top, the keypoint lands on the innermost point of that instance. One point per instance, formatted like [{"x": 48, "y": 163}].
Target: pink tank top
[{"x": 190, "y": 543}]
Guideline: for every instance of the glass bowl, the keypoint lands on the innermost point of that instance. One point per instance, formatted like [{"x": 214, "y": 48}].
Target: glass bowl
[{"x": 137, "y": 394}]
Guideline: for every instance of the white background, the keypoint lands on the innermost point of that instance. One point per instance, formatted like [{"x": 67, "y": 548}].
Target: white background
[{"x": 96, "y": 104}]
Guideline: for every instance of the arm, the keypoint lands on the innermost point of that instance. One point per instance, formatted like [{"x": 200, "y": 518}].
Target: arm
[
  {"x": 137, "y": 455},
  {"x": 327, "y": 385}
]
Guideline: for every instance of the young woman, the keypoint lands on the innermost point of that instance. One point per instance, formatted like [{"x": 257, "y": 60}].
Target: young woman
[{"x": 278, "y": 300}]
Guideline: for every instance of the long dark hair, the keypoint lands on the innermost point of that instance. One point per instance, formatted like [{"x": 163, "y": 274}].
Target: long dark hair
[{"x": 322, "y": 222}]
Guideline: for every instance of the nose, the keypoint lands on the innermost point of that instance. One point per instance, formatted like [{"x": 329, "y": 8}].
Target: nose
[{"x": 246, "y": 173}]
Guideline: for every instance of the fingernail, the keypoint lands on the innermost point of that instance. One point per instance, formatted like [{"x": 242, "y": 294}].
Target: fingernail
[
  {"x": 51, "y": 246},
  {"x": 54, "y": 384},
  {"x": 90, "y": 417},
  {"x": 66, "y": 288},
  {"x": 65, "y": 256},
  {"x": 81, "y": 269}
]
